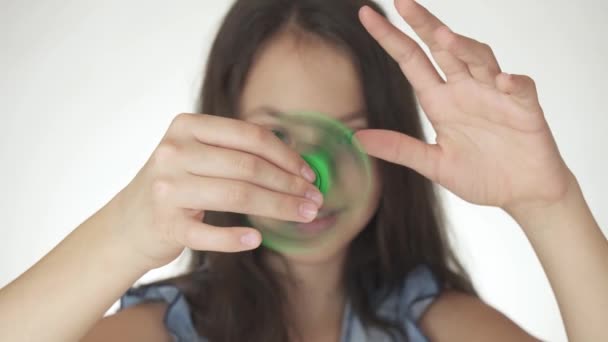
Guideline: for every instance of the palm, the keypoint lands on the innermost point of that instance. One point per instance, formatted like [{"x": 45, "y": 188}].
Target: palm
[
  {"x": 492, "y": 151},
  {"x": 493, "y": 145}
]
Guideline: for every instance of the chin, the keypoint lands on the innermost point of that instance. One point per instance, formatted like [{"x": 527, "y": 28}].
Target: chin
[
  {"x": 326, "y": 253},
  {"x": 325, "y": 248},
  {"x": 324, "y": 240}
]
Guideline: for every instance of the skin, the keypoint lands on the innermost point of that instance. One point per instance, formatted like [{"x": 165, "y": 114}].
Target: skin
[
  {"x": 323, "y": 75},
  {"x": 149, "y": 222},
  {"x": 479, "y": 112},
  {"x": 324, "y": 79},
  {"x": 320, "y": 78}
]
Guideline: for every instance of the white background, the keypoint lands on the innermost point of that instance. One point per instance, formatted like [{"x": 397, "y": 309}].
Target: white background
[{"x": 87, "y": 89}]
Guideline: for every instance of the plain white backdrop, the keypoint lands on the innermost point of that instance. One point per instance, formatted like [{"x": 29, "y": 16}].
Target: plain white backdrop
[{"x": 87, "y": 89}]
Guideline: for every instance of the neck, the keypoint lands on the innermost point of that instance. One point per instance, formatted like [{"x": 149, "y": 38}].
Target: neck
[{"x": 315, "y": 295}]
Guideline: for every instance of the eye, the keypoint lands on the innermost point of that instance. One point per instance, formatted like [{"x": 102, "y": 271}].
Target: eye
[{"x": 282, "y": 134}]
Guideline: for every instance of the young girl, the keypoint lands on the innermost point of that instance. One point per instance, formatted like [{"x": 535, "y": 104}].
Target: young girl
[{"x": 389, "y": 273}]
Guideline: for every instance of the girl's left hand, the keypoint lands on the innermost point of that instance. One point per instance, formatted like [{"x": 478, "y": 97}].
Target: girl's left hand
[{"x": 493, "y": 145}]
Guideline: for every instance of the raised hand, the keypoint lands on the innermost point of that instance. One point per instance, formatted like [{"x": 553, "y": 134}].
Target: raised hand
[
  {"x": 493, "y": 145},
  {"x": 207, "y": 162}
]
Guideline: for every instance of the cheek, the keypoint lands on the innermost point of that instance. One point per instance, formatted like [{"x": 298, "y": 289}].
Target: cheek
[
  {"x": 348, "y": 225},
  {"x": 373, "y": 202},
  {"x": 376, "y": 185},
  {"x": 355, "y": 220}
]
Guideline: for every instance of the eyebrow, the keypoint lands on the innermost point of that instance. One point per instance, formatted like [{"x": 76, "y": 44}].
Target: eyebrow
[
  {"x": 348, "y": 117},
  {"x": 353, "y": 116}
]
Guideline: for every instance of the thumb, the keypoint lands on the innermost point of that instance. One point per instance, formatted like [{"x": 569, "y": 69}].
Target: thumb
[{"x": 401, "y": 149}]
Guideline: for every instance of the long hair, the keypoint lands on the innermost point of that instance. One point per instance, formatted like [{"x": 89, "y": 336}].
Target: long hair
[{"x": 236, "y": 297}]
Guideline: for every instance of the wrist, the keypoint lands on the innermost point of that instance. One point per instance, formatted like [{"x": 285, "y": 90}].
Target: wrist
[
  {"x": 542, "y": 215},
  {"x": 105, "y": 228}
]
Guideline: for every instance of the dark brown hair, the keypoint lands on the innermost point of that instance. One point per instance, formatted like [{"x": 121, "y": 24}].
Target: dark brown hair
[{"x": 235, "y": 297}]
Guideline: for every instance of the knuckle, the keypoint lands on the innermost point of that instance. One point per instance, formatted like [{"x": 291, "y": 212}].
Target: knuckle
[
  {"x": 530, "y": 80},
  {"x": 296, "y": 185},
  {"x": 452, "y": 42},
  {"x": 248, "y": 166},
  {"x": 493, "y": 68},
  {"x": 286, "y": 205},
  {"x": 487, "y": 48},
  {"x": 188, "y": 235},
  {"x": 259, "y": 135},
  {"x": 167, "y": 150},
  {"x": 408, "y": 55},
  {"x": 524, "y": 81},
  {"x": 161, "y": 189},
  {"x": 237, "y": 196},
  {"x": 181, "y": 118},
  {"x": 181, "y": 121}
]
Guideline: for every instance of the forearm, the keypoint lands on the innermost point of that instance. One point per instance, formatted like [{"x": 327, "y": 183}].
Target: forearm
[
  {"x": 574, "y": 254},
  {"x": 62, "y": 296}
]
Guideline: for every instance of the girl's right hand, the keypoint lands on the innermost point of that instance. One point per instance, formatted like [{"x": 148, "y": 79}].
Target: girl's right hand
[{"x": 207, "y": 162}]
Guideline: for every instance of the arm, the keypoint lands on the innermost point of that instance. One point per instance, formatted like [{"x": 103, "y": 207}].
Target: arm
[
  {"x": 149, "y": 222},
  {"x": 574, "y": 254},
  {"x": 142, "y": 322},
  {"x": 458, "y": 317},
  {"x": 494, "y": 147},
  {"x": 66, "y": 292}
]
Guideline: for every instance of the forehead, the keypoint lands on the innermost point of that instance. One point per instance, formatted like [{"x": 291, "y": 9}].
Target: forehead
[{"x": 292, "y": 72}]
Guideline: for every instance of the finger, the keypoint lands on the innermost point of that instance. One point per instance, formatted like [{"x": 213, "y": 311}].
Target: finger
[
  {"x": 216, "y": 194},
  {"x": 244, "y": 136},
  {"x": 414, "y": 63},
  {"x": 401, "y": 149},
  {"x": 203, "y": 237},
  {"x": 522, "y": 88},
  {"x": 424, "y": 23},
  {"x": 479, "y": 57},
  {"x": 211, "y": 161}
]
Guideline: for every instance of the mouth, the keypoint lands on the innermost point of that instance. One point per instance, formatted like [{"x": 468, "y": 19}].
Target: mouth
[{"x": 323, "y": 222}]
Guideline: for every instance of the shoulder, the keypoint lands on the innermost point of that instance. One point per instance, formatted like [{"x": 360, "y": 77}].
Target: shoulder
[
  {"x": 176, "y": 318},
  {"x": 455, "y": 316},
  {"x": 143, "y": 322}
]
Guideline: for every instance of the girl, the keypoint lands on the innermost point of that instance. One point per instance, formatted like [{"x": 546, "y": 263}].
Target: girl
[{"x": 390, "y": 273}]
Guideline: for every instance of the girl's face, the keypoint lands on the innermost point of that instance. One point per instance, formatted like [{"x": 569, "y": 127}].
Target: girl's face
[{"x": 294, "y": 72}]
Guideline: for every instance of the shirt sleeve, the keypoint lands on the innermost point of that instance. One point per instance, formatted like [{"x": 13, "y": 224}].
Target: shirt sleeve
[
  {"x": 177, "y": 319},
  {"x": 418, "y": 293}
]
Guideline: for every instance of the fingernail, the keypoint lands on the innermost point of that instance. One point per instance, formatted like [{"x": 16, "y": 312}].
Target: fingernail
[
  {"x": 308, "y": 211},
  {"x": 308, "y": 173},
  {"x": 315, "y": 196},
  {"x": 250, "y": 240}
]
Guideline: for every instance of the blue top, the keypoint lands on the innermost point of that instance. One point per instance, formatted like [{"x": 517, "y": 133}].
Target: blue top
[{"x": 406, "y": 305}]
